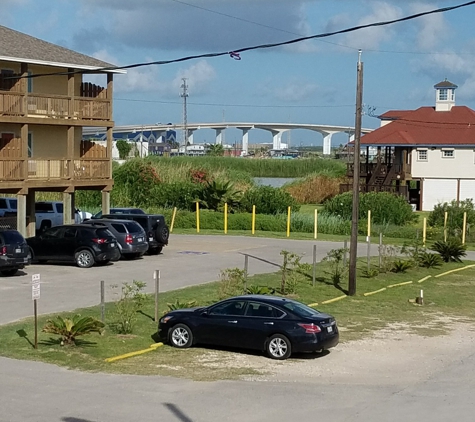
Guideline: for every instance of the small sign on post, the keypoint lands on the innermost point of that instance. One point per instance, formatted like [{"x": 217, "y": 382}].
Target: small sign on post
[{"x": 35, "y": 295}]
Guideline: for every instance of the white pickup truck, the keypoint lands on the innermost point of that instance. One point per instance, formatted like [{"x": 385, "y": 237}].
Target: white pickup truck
[
  {"x": 50, "y": 213},
  {"x": 7, "y": 206}
]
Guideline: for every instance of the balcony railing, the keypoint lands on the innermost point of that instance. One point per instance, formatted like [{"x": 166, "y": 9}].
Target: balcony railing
[
  {"x": 401, "y": 190},
  {"x": 403, "y": 170},
  {"x": 54, "y": 106},
  {"x": 54, "y": 169}
]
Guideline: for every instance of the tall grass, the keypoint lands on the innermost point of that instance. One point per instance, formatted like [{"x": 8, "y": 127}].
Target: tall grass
[
  {"x": 314, "y": 189},
  {"x": 257, "y": 167}
]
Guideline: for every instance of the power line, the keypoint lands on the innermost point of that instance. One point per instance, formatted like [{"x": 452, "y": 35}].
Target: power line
[{"x": 262, "y": 46}]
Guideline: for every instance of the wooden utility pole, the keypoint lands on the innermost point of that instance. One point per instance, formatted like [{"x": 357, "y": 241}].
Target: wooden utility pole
[{"x": 356, "y": 180}]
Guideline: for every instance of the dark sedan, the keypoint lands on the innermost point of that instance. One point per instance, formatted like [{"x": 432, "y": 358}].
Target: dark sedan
[
  {"x": 80, "y": 243},
  {"x": 276, "y": 325}
]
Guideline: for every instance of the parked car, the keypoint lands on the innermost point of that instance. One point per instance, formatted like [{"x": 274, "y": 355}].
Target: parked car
[
  {"x": 80, "y": 243},
  {"x": 121, "y": 211},
  {"x": 277, "y": 325},
  {"x": 14, "y": 252},
  {"x": 131, "y": 237},
  {"x": 50, "y": 213},
  {"x": 153, "y": 224}
]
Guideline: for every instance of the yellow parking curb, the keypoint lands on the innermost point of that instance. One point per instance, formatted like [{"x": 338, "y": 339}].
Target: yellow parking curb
[
  {"x": 399, "y": 284},
  {"x": 374, "y": 292},
  {"x": 312, "y": 304},
  {"x": 457, "y": 269},
  {"x": 333, "y": 300},
  {"x": 424, "y": 279},
  {"x": 131, "y": 354}
]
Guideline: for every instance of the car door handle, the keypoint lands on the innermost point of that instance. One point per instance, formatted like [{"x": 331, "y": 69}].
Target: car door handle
[
  {"x": 268, "y": 323},
  {"x": 232, "y": 322}
]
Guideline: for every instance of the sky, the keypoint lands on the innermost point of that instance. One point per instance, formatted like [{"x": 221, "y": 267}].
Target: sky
[{"x": 311, "y": 82}]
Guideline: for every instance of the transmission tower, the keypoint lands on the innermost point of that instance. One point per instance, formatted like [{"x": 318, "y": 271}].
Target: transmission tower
[{"x": 184, "y": 95}]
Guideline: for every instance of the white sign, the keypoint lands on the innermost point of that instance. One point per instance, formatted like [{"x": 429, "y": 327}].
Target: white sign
[{"x": 35, "y": 286}]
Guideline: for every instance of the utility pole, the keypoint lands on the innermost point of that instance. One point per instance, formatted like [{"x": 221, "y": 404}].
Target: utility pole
[
  {"x": 184, "y": 95},
  {"x": 356, "y": 179}
]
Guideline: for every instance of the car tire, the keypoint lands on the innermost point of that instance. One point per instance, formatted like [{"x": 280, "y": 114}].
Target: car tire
[
  {"x": 278, "y": 347},
  {"x": 180, "y": 336},
  {"x": 10, "y": 272},
  {"x": 162, "y": 234},
  {"x": 84, "y": 259},
  {"x": 155, "y": 251}
]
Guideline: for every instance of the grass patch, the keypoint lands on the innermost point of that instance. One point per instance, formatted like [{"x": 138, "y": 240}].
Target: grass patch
[{"x": 449, "y": 296}]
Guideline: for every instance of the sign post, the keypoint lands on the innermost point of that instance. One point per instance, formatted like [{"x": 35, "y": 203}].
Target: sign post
[{"x": 35, "y": 295}]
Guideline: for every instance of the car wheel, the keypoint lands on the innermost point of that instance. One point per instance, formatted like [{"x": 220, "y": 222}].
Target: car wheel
[
  {"x": 181, "y": 336},
  {"x": 162, "y": 234},
  {"x": 84, "y": 259},
  {"x": 9, "y": 273},
  {"x": 155, "y": 251},
  {"x": 278, "y": 347}
]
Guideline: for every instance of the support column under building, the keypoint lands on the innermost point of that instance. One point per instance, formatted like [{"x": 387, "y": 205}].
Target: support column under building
[
  {"x": 21, "y": 214},
  {"x": 30, "y": 214},
  {"x": 106, "y": 204},
  {"x": 68, "y": 208}
]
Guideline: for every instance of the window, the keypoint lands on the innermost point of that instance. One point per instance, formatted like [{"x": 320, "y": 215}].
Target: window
[
  {"x": 448, "y": 153},
  {"x": 30, "y": 145},
  {"x": 234, "y": 307},
  {"x": 443, "y": 94},
  {"x": 263, "y": 310},
  {"x": 70, "y": 232},
  {"x": 300, "y": 309},
  {"x": 120, "y": 228},
  {"x": 422, "y": 155}
]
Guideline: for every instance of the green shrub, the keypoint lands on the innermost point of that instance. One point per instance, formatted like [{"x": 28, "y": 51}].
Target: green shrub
[
  {"x": 260, "y": 290},
  {"x": 429, "y": 260},
  {"x": 455, "y": 213},
  {"x": 401, "y": 266},
  {"x": 180, "y": 305},
  {"x": 451, "y": 250},
  {"x": 338, "y": 269},
  {"x": 385, "y": 208},
  {"x": 125, "y": 311},
  {"x": 268, "y": 200},
  {"x": 182, "y": 195},
  {"x": 71, "y": 328}
]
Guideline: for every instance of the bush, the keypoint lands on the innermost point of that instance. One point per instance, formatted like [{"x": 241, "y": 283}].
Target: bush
[
  {"x": 450, "y": 251},
  {"x": 71, "y": 328},
  {"x": 429, "y": 260},
  {"x": 126, "y": 308},
  {"x": 455, "y": 213},
  {"x": 268, "y": 200},
  {"x": 182, "y": 195},
  {"x": 401, "y": 266},
  {"x": 385, "y": 208},
  {"x": 314, "y": 189}
]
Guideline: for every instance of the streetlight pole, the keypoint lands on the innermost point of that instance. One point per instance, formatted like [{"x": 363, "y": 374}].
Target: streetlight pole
[{"x": 356, "y": 180}]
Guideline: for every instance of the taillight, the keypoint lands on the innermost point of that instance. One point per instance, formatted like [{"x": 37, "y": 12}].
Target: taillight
[
  {"x": 128, "y": 239},
  {"x": 99, "y": 241},
  {"x": 311, "y": 328},
  {"x": 3, "y": 251}
]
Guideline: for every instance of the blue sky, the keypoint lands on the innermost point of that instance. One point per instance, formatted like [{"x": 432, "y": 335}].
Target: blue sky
[{"x": 309, "y": 82}]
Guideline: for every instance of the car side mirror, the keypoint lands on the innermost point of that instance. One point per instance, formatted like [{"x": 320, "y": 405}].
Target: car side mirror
[{"x": 204, "y": 313}]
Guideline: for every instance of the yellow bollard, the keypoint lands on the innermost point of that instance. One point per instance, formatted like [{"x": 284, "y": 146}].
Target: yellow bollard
[
  {"x": 369, "y": 223},
  {"x": 445, "y": 226},
  {"x": 288, "y": 221},
  {"x": 315, "y": 224},
  {"x": 253, "y": 230},
  {"x": 173, "y": 219},
  {"x": 225, "y": 217},
  {"x": 464, "y": 227},
  {"x": 197, "y": 217},
  {"x": 424, "y": 231}
]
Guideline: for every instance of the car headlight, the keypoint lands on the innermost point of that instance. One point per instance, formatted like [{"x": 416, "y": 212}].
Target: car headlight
[{"x": 165, "y": 319}]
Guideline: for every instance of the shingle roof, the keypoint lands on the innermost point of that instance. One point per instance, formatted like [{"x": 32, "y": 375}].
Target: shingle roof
[
  {"x": 445, "y": 84},
  {"x": 425, "y": 127},
  {"x": 16, "y": 46}
]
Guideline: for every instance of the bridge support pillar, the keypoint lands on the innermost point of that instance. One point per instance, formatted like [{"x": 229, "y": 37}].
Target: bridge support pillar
[
  {"x": 277, "y": 140},
  {"x": 219, "y": 136},
  {"x": 327, "y": 143},
  {"x": 245, "y": 141},
  {"x": 190, "y": 136}
]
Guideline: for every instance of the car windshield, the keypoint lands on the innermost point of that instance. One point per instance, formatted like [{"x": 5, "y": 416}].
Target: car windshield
[
  {"x": 12, "y": 236},
  {"x": 300, "y": 309}
]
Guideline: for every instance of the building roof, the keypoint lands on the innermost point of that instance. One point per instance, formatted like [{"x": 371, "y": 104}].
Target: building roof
[
  {"x": 18, "y": 47},
  {"x": 425, "y": 127},
  {"x": 445, "y": 84}
]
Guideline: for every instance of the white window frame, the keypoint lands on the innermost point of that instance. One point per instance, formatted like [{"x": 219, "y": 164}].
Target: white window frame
[
  {"x": 419, "y": 151},
  {"x": 448, "y": 153}
]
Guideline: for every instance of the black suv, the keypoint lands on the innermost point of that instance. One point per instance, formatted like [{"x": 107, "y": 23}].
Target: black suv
[
  {"x": 79, "y": 243},
  {"x": 131, "y": 237},
  {"x": 154, "y": 225},
  {"x": 14, "y": 252}
]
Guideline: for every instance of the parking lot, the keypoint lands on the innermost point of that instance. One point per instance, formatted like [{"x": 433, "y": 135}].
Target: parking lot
[{"x": 186, "y": 261}]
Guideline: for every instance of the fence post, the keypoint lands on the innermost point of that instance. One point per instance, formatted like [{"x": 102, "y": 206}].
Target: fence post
[
  {"x": 225, "y": 218},
  {"x": 156, "y": 277},
  {"x": 368, "y": 253},
  {"x": 173, "y": 219},
  {"x": 464, "y": 227},
  {"x": 315, "y": 224},
  {"x": 288, "y": 221},
  {"x": 345, "y": 249},
  {"x": 253, "y": 223},
  {"x": 246, "y": 268},
  {"x": 103, "y": 304},
  {"x": 314, "y": 264},
  {"x": 445, "y": 226},
  {"x": 424, "y": 231},
  {"x": 197, "y": 217},
  {"x": 380, "y": 249}
]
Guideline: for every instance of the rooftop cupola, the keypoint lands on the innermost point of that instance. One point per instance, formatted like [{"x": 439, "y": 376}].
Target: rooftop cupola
[{"x": 445, "y": 95}]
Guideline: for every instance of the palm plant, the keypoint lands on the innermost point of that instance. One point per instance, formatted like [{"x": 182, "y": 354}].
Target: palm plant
[
  {"x": 216, "y": 193},
  {"x": 451, "y": 250},
  {"x": 71, "y": 328}
]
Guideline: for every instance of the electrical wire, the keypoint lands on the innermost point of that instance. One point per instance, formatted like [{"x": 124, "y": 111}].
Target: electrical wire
[{"x": 261, "y": 46}]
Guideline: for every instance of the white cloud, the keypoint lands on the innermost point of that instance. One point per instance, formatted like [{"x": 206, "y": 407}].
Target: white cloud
[
  {"x": 432, "y": 28},
  {"x": 292, "y": 91},
  {"x": 199, "y": 76}
]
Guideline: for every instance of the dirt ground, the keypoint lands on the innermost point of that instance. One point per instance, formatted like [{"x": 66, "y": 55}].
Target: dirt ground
[{"x": 390, "y": 356}]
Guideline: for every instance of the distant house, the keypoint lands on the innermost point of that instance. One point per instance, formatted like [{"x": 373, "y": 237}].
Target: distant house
[
  {"x": 44, "y": 105},
  {"x": 432, "y": 146}
]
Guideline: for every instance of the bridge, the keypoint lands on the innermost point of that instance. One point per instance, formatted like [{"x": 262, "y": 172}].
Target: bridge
[{"x": 276, "y": 129}]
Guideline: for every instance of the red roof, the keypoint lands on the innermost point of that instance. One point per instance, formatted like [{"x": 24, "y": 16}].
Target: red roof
[{"x": 424, "y": 127}]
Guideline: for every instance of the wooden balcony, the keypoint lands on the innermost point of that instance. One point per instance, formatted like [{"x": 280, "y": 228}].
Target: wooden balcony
[
  {"x": 81, "y": 169},
  {"x": 16, "y": 104},
  {"x": 368, "y": 169}
]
